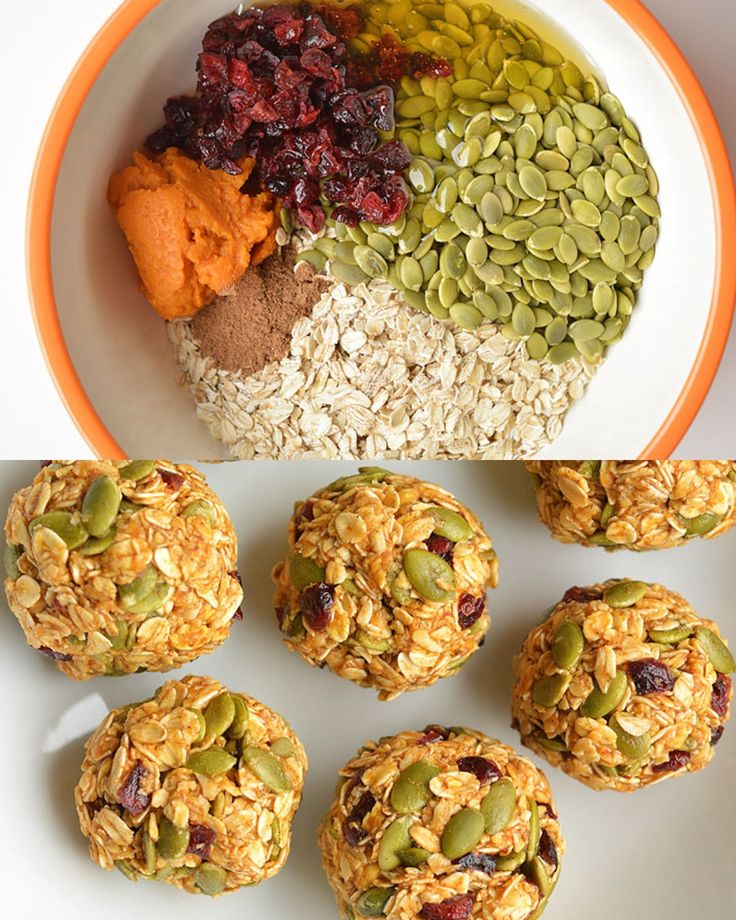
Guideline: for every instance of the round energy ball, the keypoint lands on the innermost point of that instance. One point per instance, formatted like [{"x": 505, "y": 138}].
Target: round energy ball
[
  {"x": 385, "y": 581},
  {"x": 196, "y": 787},
  {"x": 113, "y": 568},
  {"x": 442, "y": 824},
  {"x": 635, "y": 504},
  {"x": 623, "y": 685}
]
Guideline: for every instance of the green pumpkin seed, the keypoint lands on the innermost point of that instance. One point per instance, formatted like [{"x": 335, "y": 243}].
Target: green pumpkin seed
[
  {"x": 119, "y": 639},
  {"x": 633, "y": 747},
  {"x": 429, "y": 574},
  {"x": 413, "y": 857},
  {"x": 466, "y": 316},
  {"x": 150, "y": 855},
  {"x": 559, "y": 354},
  {"x": 210, "y": 762},
  {"x": 219, "y": 714},
  {"x": 716, "y": 650},
  {"x": 100, "y": 505},
  {"x": 534, "y": 830},
  {"x": 410, "y": 793},
  {"x": 549, "y": 690},
  {"x": 11, "y": 555},
  {"x": 348, "y": 274},
  {"x": 282, "y": 747},
  {"x": 671, "y": 636},
  {"x": 510, "y": 862},
  {"x": 202, "y": 725},
  {"x": 462, "y": 833},
  {"x": 625, "y": 593},
  {"x": 96, "y": 545},
  {"x": 127, "y": 870},
  {"x": 138, "y": 589},
  {"x": 568, "y": 645},
  {"x": 152, "y": 601},
  {"x": 499, "y": 805},
  {"x": 536, "y": 871},
  {"x": 599, "y": 704},
  {"x": 172, "y": 840},
  {"x": 62, "y": 523},
  {"x": 451, "y": 525},
  {"x": 267, "y": 768},
  {"x": 304, "y": 572},
  {"x": 395, "y": 839},
  {"x": 373, "y": 902},
  {"x": 210, "y": 879},
  {"x": 137, "y": 470},
  {"x": 701, "y": 525},
  {"x": 550, "y": 744},
  {"x": 200, "y": 508}
]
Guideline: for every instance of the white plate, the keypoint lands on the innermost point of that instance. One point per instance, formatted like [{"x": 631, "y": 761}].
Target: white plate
[
  {"x": 119, "y": 346},
  {"x": 665, "y": 853}
]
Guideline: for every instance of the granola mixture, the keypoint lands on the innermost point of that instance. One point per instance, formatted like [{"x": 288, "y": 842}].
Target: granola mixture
[
  {"x": 116, "y": 568},
  {"x": 623, "y": 685},
  {"x": 636, "y": 505},
  {"x": 444, "y": 824},
  {"x": 196, "y": 787},
  {"x": 369, "y": 377},
  {"x": 385, "y": 581}
]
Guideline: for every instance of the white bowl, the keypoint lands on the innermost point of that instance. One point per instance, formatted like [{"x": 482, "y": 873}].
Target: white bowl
[{"x": 110, "y": 354}]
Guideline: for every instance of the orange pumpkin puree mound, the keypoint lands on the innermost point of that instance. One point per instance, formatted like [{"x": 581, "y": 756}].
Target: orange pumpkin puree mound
[{"x": 190, "y": 229}]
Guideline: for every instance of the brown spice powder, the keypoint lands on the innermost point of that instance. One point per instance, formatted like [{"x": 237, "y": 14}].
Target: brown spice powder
[{"x": 251, "y": 326}]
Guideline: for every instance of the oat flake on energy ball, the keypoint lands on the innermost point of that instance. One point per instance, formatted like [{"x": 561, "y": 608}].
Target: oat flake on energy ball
[
  {"x": 113, "y": 568},
  {"x": 385, "y": 581},
  {"x": 635, "y": 504}
]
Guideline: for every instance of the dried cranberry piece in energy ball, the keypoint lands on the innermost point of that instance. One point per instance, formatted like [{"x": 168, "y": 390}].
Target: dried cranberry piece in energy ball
[
  {"x": 484, "y": 770},
  {"x": 173, "y": 480},
  {"x": 469, "y": 610},
  {"x": 434, "y": 733},
  {"x": 457, "y": 908},
  {"x": 676, "y": 761},
  {"x": 478, "y": 862},
  {"x": 441, "y": 547},
  {"x": 548, "y": 850},
  {"x": 650, "y": 676},
  {"x": 716, "y": 734},
  {"x": 581, "y": 595},
  {"x": 316, "y": 605},
  {"x": 721, "y": 694},
  {"x": 201, "y": 839},
  {"x": 352, "y": 830},
  {"x": 54, "y": 656},
  {"x": 130, "y": 795}
]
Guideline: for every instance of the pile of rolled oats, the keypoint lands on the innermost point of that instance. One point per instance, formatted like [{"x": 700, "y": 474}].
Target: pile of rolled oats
[
  {"x": 443, "y": 824},
  {"x": 369, "y": 377},
  {"x": 623, "y": 686},
  {"x": 196, "y": 787},
  {"x": 115, "y": 568},
  {"x": 635, "y": 504},
  {"x": 385, "y": 581}
]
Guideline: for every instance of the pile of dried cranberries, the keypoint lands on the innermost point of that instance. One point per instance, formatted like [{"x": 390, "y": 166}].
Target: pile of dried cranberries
[{"x": 279, "y": 85}]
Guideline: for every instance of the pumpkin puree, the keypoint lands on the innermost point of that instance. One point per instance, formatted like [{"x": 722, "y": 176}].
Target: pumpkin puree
[{"x": 190, "y": 229}]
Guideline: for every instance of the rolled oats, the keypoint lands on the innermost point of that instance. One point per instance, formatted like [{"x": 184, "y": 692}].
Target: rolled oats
[{"x": 661, "y": 712}]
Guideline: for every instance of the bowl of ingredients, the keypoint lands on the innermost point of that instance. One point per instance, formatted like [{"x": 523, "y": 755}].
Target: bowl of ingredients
[{"x": 383, "y": 230}]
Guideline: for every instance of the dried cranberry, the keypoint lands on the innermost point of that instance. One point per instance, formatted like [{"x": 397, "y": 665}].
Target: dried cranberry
[
  {"x": 469, "y": 610},
  {"x": 717, "y": 734},
  {"x": 484, "y": 770},
  {"x": 676, "y": 761},
  {"x": 316, "y": 605},
  {"x": 173, "y": 480},
  {"x": 424, "y": 65},
  {"x": 477, "y": 862},
  {"x": 238, "y": 615},
  {"x": 130, "y": 795},
  {"x": 457, "y": 908},
  {"x": 345, "y": 23},
  {"x": 201, "y": 839},
  {"x": 548, "y": 850},
  {"x": 434, "y": 733},
  {"x": 352, "y": 830},
  {"x": 721, "y": 695},
  {"x": 54, "y": 656},
  {"x": 441, "y": 547},
  {"x": 581, "y": 595},
  {"x": 353, "y": 834},
  {"x": 650, "y": 676},
  {"x": 45, "y": 463}
]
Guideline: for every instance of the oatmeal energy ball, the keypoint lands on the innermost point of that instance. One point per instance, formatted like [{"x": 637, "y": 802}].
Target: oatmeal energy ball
[
  {"x": 635, "y": 504},
  {"x": 444, "y": 824},
  {"x": 385, "y": 581},
  {"x": 196, "y": 787},
  {"x": 113, "y": 568},
  {"x": 623, "y": 685}
]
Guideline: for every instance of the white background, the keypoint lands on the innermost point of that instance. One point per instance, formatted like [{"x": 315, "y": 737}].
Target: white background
[
  {"x": 664, "y": 853},
  {"x": 42, "y": 41}
]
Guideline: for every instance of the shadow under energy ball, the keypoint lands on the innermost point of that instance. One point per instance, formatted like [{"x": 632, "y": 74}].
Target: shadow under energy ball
[
  {"x": 385, "y": 581},
  {"x": 623, "y": 685},
  {"x": 115, "y": 568}
]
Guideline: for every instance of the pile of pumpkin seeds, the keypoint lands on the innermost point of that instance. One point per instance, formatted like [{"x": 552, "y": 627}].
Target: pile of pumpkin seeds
[{"x": 534, "y": 203}]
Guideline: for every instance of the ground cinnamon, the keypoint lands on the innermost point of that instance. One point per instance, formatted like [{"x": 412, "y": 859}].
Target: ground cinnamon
[{"x": 251, "y": 326}]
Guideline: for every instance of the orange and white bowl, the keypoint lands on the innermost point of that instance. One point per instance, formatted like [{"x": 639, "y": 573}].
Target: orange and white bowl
[{"x": 109, "y": 353}]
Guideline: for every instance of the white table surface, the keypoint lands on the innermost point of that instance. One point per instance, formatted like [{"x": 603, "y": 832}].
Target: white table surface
[
  {"x": 42, "y": 43},
  {"x": 664, "y": 853}
]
